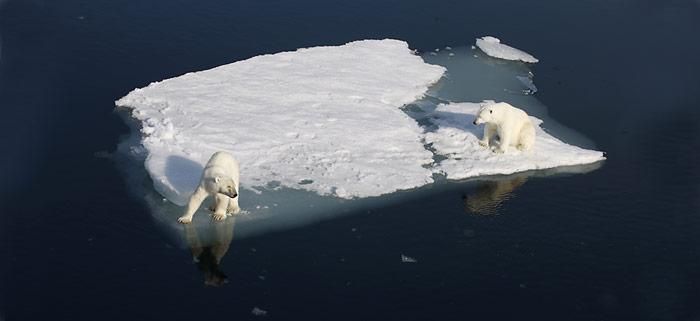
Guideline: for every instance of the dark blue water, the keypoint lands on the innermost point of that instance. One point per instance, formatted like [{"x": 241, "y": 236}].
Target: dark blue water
[{"x": 618, "y": 243}]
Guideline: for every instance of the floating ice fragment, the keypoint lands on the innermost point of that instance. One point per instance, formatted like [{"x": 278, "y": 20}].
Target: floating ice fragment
[
  {"x": 258, "y": 312},
  {"x": 493, "y": 47},
  {"x": 407, "y": 259}
]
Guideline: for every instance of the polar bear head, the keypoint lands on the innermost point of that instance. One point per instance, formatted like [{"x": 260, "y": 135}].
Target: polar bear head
[
  {"x": 488, "y": 114},
  {"x": 225, "y": 185}
]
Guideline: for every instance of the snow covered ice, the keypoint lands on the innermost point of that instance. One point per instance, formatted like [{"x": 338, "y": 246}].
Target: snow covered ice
[
  {"x": 458, "y": 139},
  {"x": 364, "y": 119},
  {"x": 493, "y": 47},
  {"x": 323, "y": 119}
]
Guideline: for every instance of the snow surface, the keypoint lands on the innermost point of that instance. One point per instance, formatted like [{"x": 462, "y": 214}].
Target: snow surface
[
  {"x": 493, "y": 47},
  {"x": 323, "y": 119},
  {"x": 457, "y": 139}
]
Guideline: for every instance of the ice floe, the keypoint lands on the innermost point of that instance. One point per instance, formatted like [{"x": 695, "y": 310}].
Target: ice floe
[
  {"x": 493, "y": 47},
  {"x": 456, "y": 138},
  {"x": 328, "y": 120},
  {"x": 323, "y": 119}
]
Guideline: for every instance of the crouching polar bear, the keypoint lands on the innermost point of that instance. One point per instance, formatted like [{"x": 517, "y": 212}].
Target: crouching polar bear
[
  {"x": 220, "y": 180},
  {"x": 510, "y": 124}
]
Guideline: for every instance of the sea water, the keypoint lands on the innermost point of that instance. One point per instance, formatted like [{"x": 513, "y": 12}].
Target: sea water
[{"x": 619, "y": 242}]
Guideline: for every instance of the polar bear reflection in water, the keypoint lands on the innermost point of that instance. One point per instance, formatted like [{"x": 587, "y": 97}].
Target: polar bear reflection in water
[
  {"x": 490, "y": 195},
  {"x": 208, "y": 244}
]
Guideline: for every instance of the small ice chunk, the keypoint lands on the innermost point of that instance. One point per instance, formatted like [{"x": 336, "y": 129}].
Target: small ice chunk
[
  {"x": 493, "y": 47},
  {"x": 258, "y": 312},
  {"x": 408, "y": 259}
]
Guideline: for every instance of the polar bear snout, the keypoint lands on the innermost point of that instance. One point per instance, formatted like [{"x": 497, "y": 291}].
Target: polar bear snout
[{"x": 230, "y": 194}]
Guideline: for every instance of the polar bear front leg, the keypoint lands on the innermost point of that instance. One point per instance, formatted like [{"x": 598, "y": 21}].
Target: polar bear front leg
[
  {"x": 195, "y": 201},
  {"x": 489, "y": 131},
  {"x": 220, "y": 207},
  {"x": 233, "y": 207},
  {"x": 505, "y": 141}
]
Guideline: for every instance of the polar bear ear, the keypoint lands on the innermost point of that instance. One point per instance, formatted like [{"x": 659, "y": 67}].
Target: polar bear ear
[{"x": 217, "y": 179}]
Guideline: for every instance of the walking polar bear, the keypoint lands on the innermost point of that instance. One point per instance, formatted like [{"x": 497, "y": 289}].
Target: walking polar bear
[
  {"x": 512, "y": 126},
  {"x": 220, "y": 180}
]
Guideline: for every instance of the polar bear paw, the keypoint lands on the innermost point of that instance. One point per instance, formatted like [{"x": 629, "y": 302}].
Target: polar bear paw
[
  {"x": 185, "y": 219},
  {"x": 484, "y": 143},
  {"x": 219, "y": 216}
]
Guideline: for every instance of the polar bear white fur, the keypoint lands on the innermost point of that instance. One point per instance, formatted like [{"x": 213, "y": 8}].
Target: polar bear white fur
[
  {"x": 220, "y": 180},
  {"x": 512, "y": 126}
]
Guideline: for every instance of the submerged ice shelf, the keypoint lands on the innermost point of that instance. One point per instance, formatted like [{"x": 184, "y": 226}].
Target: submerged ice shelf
[{"x": 323, "y": 119}]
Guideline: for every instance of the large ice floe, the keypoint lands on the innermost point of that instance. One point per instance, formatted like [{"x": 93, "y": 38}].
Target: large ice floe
[
  {"x": 493, "y": 47},
  {"x": 323, "y": 119},
  {"x": 364, "y": 119}
]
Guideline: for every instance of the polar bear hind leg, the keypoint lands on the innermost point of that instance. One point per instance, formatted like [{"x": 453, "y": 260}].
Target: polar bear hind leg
[{"x": 527, "y": 137}]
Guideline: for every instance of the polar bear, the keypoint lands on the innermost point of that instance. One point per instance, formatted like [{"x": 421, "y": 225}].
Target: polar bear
[
  {"x": 510, "y": 124},
  {"x": 220, "y": 180}
]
